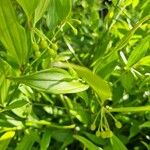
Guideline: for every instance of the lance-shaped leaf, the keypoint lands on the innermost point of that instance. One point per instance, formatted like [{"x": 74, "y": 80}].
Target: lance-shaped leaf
[
  {"x": 99, "y": 85},
  {"x": 5, "y": 139},
  {"x": 28, "y": 140},
  {"x": 53, "y": 80},
  {"x": 117, "y": 144},
  {"x": 41, "y": 8},
  {"x": 96, "y": 82},
  {"x": 139, "y": 51},
  {"x": 86, "y": 142},
  {"x": 28, "y": 6},
  {"x": 5, "y": 70},
  {"x": 57, "y": 12},
  {"x": 12, "y": 35},
  {"x": 106, "y": 62}
]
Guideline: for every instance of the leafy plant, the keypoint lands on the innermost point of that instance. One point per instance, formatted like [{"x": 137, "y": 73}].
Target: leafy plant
[{"x": 74, "y": 74}]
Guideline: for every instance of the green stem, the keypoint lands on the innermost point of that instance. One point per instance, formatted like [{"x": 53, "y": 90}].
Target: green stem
[{"x": 130, "y": 109}]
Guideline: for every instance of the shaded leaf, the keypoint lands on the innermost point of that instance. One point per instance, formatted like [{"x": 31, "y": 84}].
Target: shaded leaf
[
  {"x": 95, "y": 139},
  {"x": 46, "y": 138},
  {"x": 145, "y": 61},
  {"x": 127, "y": 80},
  {"x": 117, "y": 144},
  {"x": 100, "y": 86},
  {"x": 86, "y": 142},
  {"x": 28, "y": 140},
  {"x": 146, "y": 145}
]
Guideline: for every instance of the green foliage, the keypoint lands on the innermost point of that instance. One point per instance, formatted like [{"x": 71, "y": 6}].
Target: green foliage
[{"x": 74, "y": 74}]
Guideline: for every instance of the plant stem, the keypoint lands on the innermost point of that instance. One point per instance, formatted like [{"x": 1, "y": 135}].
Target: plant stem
[{"x": 130, "y": 109}]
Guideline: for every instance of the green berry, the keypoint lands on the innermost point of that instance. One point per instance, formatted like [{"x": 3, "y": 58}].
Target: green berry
[
  {"x": 52, "y": 52},
  {"x": 93, "y": 127},
  {"x": 109, "y": 133},
  {"x": 118, "y": 124},
  {"x": 104, "y": 134},
  {"x": 98, "y": 133},
  {"x": 55, "y": 46},
  {"x": 37, "y": 54},
  {"x": 35, "y": 47},
  {"x": 43, "y": 44}
]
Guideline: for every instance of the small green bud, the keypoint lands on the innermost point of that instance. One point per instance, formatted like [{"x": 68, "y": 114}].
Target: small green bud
[
  {"x": 52, "y": 52},
  {"x": 37, "y": 54},
  {"x": 118, "y": 124},
  {"x": 98, "y": 133},
  {"x": 109, "y": 133},
  {"x": 35, "y": 47},
  {"x": 104, "y": 134},
  {"x": 55, "y": 46},
  {"x": 43, "y": 44},
  {"x": 93, "y": 127}
]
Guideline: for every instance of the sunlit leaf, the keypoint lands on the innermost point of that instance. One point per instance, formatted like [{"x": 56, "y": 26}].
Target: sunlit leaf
[
  {"x": 5, "y": 139},
  {"x": 41, "y": 8},
  {"x": 139, "y": 51},
  {"x": 12, "y": 35},
  {"x": 100, "y": 86},
  {"x": 17, "y": 104},
  {"x": 53, "y": 80},
  {"x": 28, "y": 6}
]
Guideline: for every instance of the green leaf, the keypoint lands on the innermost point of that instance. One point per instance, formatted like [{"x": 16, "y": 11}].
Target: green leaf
[
  {"x": 61, "y": 135},
  {"x": 117, "y": 144},
  {"x": 5, "y": 139},
  {"x": 41, "y": 8},
  {"x": 127, "y": 80},
  {"x": 134, "y": 130},
  {"x": 145, "y": 61},
  {"x": 28, "y": 140},
  {"x": 57, "y": 12},
  {"x": 53, "y": 80},
  {"x": 17, "y": 104},
  {"x": 86, "y": 142},
  {"x": 46, "y": 138},
  {"x": 79, "y": 112},
  {"x": 95, "y": 139},
  {"x": 146, "y": 145},
  {"x": 138, "y": 52},
  {"x": 13, "y": 35},
  {"x": 28, "y": 6},
  {"x": 124, "y": 41},
  {"x": 98, "y": 84},
  {"x": 145, "y": 125},
  {"x": 107, "y": 60},
  {"x": 5, "y": 70}
]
